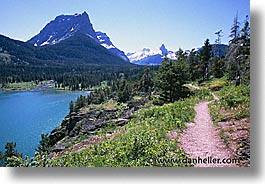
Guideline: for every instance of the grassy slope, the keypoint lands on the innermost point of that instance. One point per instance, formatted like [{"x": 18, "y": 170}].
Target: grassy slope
[
  {"x": 234, "y": 103},
  {"x": 146, "y": 139},
  {"x": 231, "y": 114},
  {"x": 143, "y": 141}
]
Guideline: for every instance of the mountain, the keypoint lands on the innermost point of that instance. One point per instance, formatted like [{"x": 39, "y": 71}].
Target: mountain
[
  {"x": 77, "y": 50},
  {"x": 150, "y": 57},
  {"x": 105, "y": 41},
  {"x": 63, "y": 27}
]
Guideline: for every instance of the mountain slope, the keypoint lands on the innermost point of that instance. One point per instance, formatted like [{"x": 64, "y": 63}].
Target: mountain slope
[
  {"x": 106, "y": 42},
  {"x": 76, "y": 50},
  {"x": 14, "y": 51},
  {"x": 63, "y": 27},
  {"x": 81, "y": 49}
]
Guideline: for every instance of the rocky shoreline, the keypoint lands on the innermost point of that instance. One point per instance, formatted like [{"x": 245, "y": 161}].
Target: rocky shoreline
[{"x": 87, "y": 123}]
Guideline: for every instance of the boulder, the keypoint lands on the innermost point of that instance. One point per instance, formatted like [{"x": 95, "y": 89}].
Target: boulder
[{"x": 58, "y": 148}]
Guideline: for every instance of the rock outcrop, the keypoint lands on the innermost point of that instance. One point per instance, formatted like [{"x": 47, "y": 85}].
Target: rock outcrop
[{"x": 79, "y": 123}]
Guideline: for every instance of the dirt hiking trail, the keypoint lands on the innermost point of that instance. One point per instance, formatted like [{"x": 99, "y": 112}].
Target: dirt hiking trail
[{"x": 201, "y": 139}]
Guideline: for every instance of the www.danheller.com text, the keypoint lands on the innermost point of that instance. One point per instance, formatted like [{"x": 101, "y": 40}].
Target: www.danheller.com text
[{"x": 198, "y": 160}]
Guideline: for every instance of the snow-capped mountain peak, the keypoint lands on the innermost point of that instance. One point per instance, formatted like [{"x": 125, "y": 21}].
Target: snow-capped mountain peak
[
  {"x": 148, "y": 56},
  {"x": 63, "y": 27},
  {"x": 66, "y": 26}
]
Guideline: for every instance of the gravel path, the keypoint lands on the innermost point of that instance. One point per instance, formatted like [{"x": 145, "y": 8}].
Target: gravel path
[{"x": 202, "y": 140}]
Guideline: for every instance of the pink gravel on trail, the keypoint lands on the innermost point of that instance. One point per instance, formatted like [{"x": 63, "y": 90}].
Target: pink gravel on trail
[{"x": 202, "y": 140}]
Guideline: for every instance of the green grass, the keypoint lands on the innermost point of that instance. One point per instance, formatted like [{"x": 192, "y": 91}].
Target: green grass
[
  {"x": 204, "y": 93},
  {"x": 108, "y": 105},
  {"x": 224, "y": 136},
  {"x": 20, "y": 86},
  {"x": 144, "y": 142},
  {"x": 234, "y": 103}
]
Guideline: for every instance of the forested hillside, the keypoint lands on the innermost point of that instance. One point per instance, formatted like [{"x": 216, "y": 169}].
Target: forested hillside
[{"x": 76, "y": 63}]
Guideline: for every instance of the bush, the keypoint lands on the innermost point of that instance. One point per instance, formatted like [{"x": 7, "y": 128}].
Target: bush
[
  {"x": 234, "y": 100},
  {"x": 234, "y": 96},
  {"x": 203, "y": 94}
]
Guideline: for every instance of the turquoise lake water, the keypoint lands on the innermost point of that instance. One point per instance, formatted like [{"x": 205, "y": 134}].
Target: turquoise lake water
[{"x": 25, "y": 115}]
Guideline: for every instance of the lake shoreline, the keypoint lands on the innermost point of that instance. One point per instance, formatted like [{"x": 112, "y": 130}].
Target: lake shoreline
[{"x": 27, "y": 114}]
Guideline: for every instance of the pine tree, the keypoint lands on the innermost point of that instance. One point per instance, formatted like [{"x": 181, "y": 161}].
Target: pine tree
[
  {"x": 71, "y": 106},
  {"x": 80, "y": 102},
  {"x": 235, "y": 32},
  {"x": 123, "y": 90},
  {"x": 218, "y": 42},
  {"x": 171, "y": 77},
  {"x": 217, "y": 62},
  {"x": 205, "y": 56},
  {"x": 237, "y": 57},
  {"x": 11, "y": 151},
  {"x": 146, "y": 82},
  {"x": 217, "y": 67},
  {"x": 44, "y": 145},
  {"x": 1, "y": 159},
  {"x": 245, "y": 52},
  {"x": 181, "y": 55},
  {"x": 232, "y": 59},
  {"x": 193, "y": 64}
]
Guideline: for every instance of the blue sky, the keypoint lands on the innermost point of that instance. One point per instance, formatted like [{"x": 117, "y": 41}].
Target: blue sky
[{"x": 131, "y": 24}]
